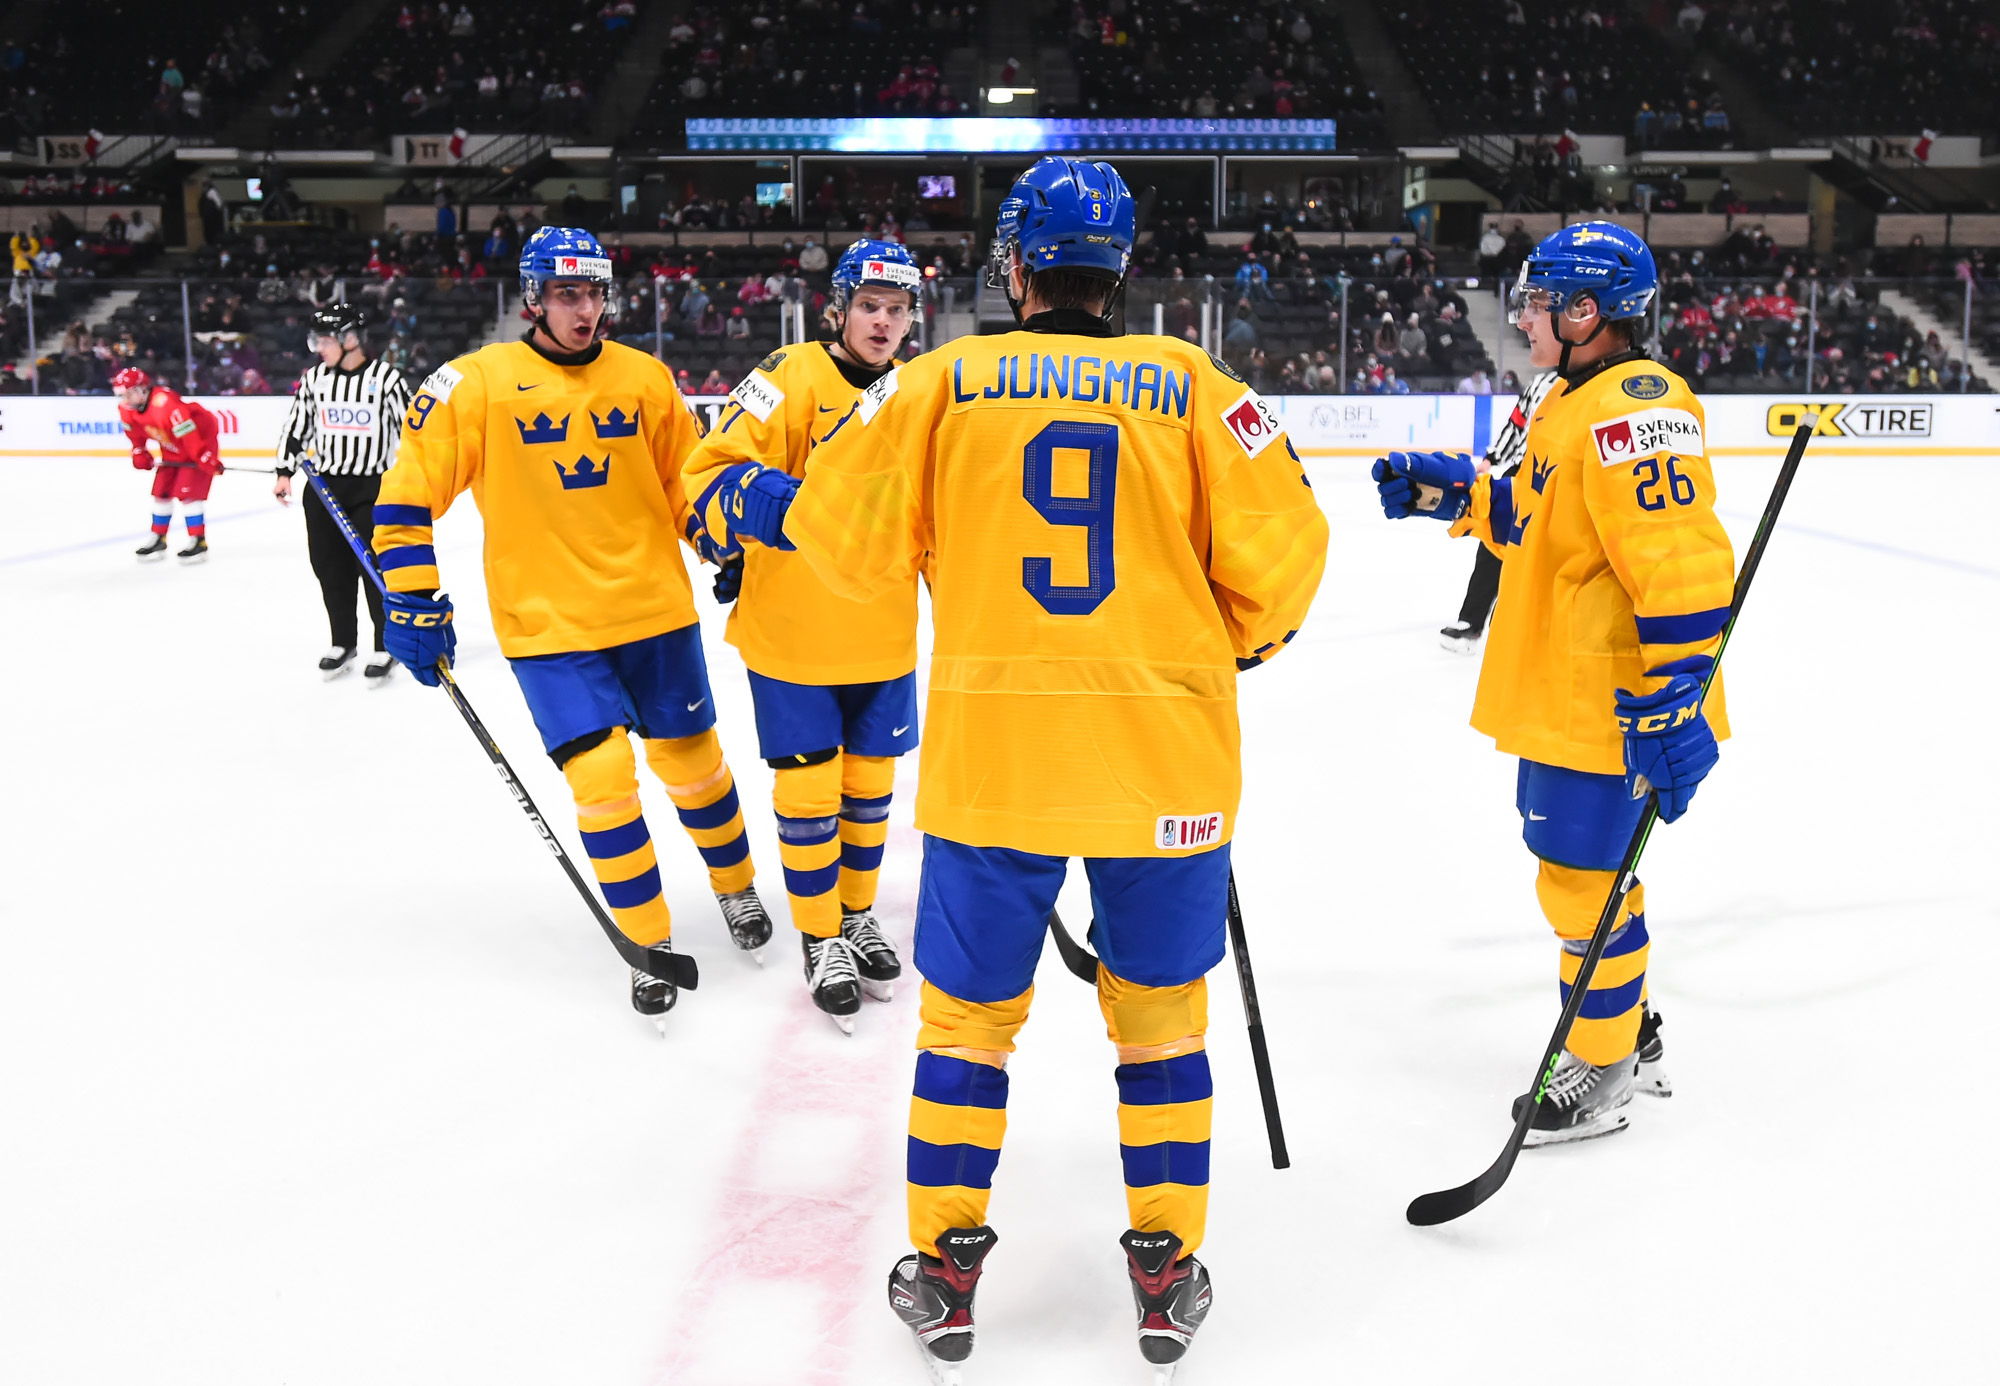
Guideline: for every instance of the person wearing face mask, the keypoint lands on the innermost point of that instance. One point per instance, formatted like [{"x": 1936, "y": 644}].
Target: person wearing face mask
[
  {"x": 834, "y": 681},
  {"x": 572, "y": 447}
]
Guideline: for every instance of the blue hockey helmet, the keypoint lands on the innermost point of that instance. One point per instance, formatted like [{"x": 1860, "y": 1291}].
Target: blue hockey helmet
[
  {"x": 882, "y": 263},
  {"x": 1600, "y": 258},
  {"x": 563, "y": 252},
  {"x": 1066, "y": 214}
]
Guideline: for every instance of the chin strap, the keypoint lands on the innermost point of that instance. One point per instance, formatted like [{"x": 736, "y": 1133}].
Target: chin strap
[{"x": 1555, "y": 326}]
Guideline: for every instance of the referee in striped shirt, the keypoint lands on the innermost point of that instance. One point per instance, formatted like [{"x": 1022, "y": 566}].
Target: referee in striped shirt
[
  {"x": 1503, "y": 458},
  {"x": 347, "y": 417}
]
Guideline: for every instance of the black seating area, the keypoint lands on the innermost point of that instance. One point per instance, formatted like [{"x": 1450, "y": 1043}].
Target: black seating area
[
  {"x": 1866, "y": 67},
  {"x": 1269, "y": 58},
  {"x": 1545, "y": 66},
  {"x": 782, "y": 58}
]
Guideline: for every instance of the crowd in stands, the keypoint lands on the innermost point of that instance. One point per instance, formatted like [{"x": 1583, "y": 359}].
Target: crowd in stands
[
  {"x": 1204, "y": 58},
  {"x": 1862, "y": 66},
  {"x": 1546, "y": 66},
  {"x": 783, "y": 58}
]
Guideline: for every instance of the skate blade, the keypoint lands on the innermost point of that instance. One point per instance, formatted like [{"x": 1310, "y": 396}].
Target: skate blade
[
  {"x": 1463, "y": 647},
  {"x": 1163, "y": 1375},
  {"x": 1610, "y": 1124},
  {"x": 329, "y": 675},
  {"x": 842, "y": 1023},
  {"x": 942, "y": 1372},
  {"x": 1652, "y": 1082},
  {"x": 878, "y": 991},
  {"x": 756, "y": 955},
  {"x": 191, "y": 561},
  {"x": 152, "y": 557},
  {"x": 660, "y": 1024}
]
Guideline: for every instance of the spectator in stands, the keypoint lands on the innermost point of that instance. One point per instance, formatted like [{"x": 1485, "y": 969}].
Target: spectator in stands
[
  {"x": 709, "y": 323},
  {"x": 1492, "y": 246},
  {"x": 1476, "y": 384},
  {"x": 695, "y": 301},
  {"x": 1241, "y": 337},
  {"x": 1389, "y": 384},
  {"x": 812, "y": 259},
  {"x": 1412, "y": 346},
  {"x": 712, "y": 383},
  {"x": 737, "y": 329}
]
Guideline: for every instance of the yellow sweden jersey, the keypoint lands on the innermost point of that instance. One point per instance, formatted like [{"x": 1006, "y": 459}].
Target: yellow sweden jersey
[
  {"x": 786, "y": 622},
  {"x": 576, "y": 470},
  {"x": 1617, "y": 571},
  {"x": 1112, "y": 524}
]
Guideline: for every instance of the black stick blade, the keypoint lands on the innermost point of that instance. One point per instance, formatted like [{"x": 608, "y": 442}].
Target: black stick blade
[
  {"x": 1431, "y": 1209},
  {"x": 666, "y": 964}
]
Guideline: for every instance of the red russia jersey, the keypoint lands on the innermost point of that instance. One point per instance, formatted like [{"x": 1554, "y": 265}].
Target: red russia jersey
[{"x": 185, "y": 431}]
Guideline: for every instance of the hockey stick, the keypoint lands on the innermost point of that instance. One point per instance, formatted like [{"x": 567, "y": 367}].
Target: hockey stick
[
  {"x": 1428, "y": 1210},
  {"x": 1083, "y": 964},
  {"x": 656, "y": 960}
]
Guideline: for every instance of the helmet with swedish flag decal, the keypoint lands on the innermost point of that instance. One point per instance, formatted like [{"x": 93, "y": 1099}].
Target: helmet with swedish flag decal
[
  {"x": 562, "y": 252},
  {"x": 1600, "y": 258},
  {"x": 882, "y": 263}
]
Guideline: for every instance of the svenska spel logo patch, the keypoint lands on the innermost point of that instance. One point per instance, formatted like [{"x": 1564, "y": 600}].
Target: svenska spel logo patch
[
  {"x": 1252, "y": 422},
  {"x": 1645, "y": 432}
]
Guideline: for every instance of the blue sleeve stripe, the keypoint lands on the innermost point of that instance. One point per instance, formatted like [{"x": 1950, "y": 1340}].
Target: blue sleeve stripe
[
  {"x": 1169, "y": 1162},
  {"x": 951, "y": 1166},
  {"x": 715, "y": 815},
  {"x": 616, "y": 842},
  {"x": 1681, "y": 630},
  {"x": 1183, "y": 1078},
  {"x": 818, "y": 881},
  {"x": 402, "y": 515},
  {"x": 623, "y": 895},
  {"x": 954, "y": 1082},
  {"x": 1611, "y": 1002},
  {"x": 728, "y": 854},
  {"x": 856, "y": 858},
  {"x": 407, "y": 556},
  {"x": 1698, "y": 665},
  {"x": 1500, "y": 514}
]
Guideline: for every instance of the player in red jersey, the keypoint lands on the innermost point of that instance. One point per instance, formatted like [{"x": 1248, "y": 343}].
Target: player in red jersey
[{"x": 189, "y": 457}]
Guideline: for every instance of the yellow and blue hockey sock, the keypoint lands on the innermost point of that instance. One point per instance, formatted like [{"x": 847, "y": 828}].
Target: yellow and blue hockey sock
[
  {"x": 807, "y": 801},
  {"x": 958, "y": 1110},
  {"x": 605, "y": 782},
  {"x": 704, "y": 794},
  {"x": 1607, "y": 1028},
  {"x": 1166, "y": 1102},
  {"x": 866, "y": 785}
]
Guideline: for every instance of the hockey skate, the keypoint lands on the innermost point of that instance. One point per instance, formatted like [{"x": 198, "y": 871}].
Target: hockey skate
[
  {"x": 1172, "y": 1293},
  {"x": 874, "y": 958},
  {"x": 336, "y": 661},
  {"x": 1653, "y": 1080},
  {"x": 1582, "y": 1101},
  {"x": 155, "y": 551},
  {"x": 830, "y": 973},
  {"x": 197, "y": 552},
  {"x": 932, "y": 1295},
  {"x": 1460, "y": 638},
  {"x": 749, "y": 926},
  {"x": 654, "y": 996},
  {"x": 378, "y": 666}
]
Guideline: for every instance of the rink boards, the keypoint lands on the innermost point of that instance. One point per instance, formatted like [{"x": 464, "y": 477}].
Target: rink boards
[{"x": 1319, "y": 425}]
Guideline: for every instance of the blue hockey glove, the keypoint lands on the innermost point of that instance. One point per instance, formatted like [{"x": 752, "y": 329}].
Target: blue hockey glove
[
  {"x": 729, "y": 581},
  {"x": 1437, "y": 484},
  {"x": 1668, "y": 744},
  {"x": 418, "y": 631},
  {"x": 756, "y": 505}
]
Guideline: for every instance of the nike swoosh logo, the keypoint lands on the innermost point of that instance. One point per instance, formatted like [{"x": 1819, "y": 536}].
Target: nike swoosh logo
[
  {"x": 535, "y": 386},
  {"x": 899, "y": 731},
  {"x": 696, "y": 703},
  {"x": 1534, "y": 817},
  {"x": 826, "y": 409}
]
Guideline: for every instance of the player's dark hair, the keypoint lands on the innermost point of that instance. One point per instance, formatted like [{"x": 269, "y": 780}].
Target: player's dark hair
[{"x": 1071, "y": 288}]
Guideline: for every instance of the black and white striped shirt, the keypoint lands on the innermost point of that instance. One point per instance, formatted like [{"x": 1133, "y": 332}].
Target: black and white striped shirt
[
  {"x": 347, "y": 422},
  {"x": 1510, "y": 444}
]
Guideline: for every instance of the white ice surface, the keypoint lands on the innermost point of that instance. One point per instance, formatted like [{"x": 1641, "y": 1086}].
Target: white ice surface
[{"x": 312, "y": 1069}]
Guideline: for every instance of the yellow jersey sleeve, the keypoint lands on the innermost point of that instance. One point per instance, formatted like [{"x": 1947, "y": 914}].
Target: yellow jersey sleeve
[
  {"x": 673, "y": 434},
  {"x": 1651, "y": 495},
  {"x": 767, "y": 421},
  {"x": 443, "y": 447}
]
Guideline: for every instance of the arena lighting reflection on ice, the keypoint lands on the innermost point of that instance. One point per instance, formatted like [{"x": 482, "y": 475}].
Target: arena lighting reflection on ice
[{"x": 1013, "y": 135}]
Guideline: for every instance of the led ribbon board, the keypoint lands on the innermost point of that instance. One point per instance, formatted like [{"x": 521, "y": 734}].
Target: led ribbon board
[{"x": 1011, "y": 135}]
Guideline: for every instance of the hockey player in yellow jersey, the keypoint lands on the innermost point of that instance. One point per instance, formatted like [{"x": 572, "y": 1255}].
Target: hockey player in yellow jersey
[
  {"x": 1112, "y": 528},
  {"x": 572, "y": 448},
  {"x": 834, "y": 681},
  {"x": 1615, "y": 585}
]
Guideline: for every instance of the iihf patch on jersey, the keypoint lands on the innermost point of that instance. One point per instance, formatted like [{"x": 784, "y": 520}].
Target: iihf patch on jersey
[
  {"x": 441, "y": 382},
  {"x": 758, "y": 395},
  {"x": 347, "y": 418},
  {"x": 1646, "y": 432},
  {"x": 1174, "y": 834},
  {"x": 877, "y": 395},
  {"x": 1253, "y": 422}
]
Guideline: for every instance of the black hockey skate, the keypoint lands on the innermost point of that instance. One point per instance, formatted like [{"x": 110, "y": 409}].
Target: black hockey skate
[
  {"x": 1582, "y": 1101},
  {"x": 874, "y": 958},
  {"x": 197, "y": 552},
  {"x": 378, "y": 666},
  {"x": 335, "y": 662},
  {"x": 830, "y": 972},
  {"x": 1653, "y": 1080},
  {"x": 1172, "y": 1292},
  {"x": 932, "y": 1295},
  {"x": 654, "y": 996},
  {"x": 749, "y": 926},
  {"x": 1460, "y": 637},
  {"x": 155, "y": 551}
]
